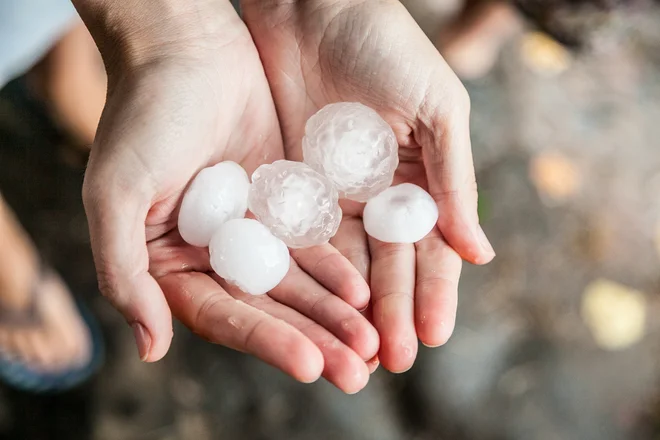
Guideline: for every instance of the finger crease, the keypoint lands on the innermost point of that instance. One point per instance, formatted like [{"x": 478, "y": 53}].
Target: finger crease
[
  {"x": 393, "y": 295},
  {"x": 424, "y": 282},
  {"x": 209, "y": 303},
  {"x": 250, "y": 335},
  {"x": 317, "y": 303},
  {"x": 321, "y": 260}
]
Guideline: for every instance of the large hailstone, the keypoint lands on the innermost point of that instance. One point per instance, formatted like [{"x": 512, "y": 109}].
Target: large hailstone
[
  {"x": 401, "y": 214},
  {"x": 297, "y": 204},
  {"x": 354, "y": 147},
  {"x": 247, "y": 255},
  {"x": 216, "y": 195}
]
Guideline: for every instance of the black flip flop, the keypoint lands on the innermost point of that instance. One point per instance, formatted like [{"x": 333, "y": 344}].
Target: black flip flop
[{"x": 22, "y": 376}]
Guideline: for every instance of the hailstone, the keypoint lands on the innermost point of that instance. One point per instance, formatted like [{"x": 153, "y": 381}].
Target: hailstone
[
  {"x": 403, "y": 213},
  {"x": 297, "y": 204},
  {"x": 247, "y": 255},
  {"x": 216, "y": 195},
  {"x": 354, "y": 147}
]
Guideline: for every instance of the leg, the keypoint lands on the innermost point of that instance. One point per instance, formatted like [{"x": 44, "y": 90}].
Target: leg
[
  {"x": 71, "y": 79},
  {"x": 57, "y": 339}
]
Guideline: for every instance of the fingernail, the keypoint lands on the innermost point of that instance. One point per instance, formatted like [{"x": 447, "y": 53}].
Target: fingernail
[
  {"x": 483, "y": 240},
  {"x": 373, "y": 364},
  {"x": 142, "y": 339}
]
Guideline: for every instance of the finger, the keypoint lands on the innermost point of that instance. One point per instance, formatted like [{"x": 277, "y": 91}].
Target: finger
[
  {"x": 117, "y": 233},
  {"x": 334, "y": 272},
  {"x": 208, "y": 310},
  {"x": 436, "y": 290},
  {"x": 342, "y": 366},
  {"x": 302, "y": 293},
  {"x": 449, "y": 167},
  {"x": 392, "y": 290},
  {"x": 372, "y": 364},
  {"x": 351, "y": 242}
]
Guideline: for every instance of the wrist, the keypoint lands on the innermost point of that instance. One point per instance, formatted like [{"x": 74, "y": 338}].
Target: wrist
[
  {"x": 312, "y": 4},
  {"x": 132, "y": 33}
]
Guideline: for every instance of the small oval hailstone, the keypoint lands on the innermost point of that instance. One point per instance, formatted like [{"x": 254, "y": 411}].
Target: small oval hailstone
[
  {"x": 401, "y": 214},
  {"x": 216, "y": 195},
  {"x": 247, "y": 255}
]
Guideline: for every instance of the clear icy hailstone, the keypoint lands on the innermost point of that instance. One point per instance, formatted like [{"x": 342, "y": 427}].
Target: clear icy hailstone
[
  {"x": 354, "y": 147},
  {"x": 217, "y": 194},
  {"x": 401, "y": 214},
  {"x": 247, "y": 255},
  {"x": 296, "y": 203}
]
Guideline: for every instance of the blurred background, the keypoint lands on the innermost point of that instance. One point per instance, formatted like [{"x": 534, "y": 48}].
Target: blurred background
[{"x": 557, "y": 339}]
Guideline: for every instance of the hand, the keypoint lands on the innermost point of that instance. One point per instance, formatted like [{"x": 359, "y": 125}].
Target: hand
[
  {"x": 317, "y": 52},
  {"x": 191, "y": 96}
]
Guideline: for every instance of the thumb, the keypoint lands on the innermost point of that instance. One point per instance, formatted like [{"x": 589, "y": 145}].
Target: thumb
[
  {"x": 450, "y": 171},
  {"x": 116, "y": 211}
]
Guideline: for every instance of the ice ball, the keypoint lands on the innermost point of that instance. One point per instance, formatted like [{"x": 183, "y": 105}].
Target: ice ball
[
  {"x": 247, "y": 255},
  {"x": 403, "y": 213},
  {"x": 297, "y": 204},
  {"x": 216, "y": 195},
  {"x": 354, "y": 147}
]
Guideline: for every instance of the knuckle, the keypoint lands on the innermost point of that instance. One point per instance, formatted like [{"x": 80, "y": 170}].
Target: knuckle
[
  {"x": 459, "y": 191},
  {"x": 394, "y": 295},
  {"x": 251, "y": 335},
  {"x": 108, "y": 283},
  {"x": 321, "y": 265},
  {"x": 324, "y": 262},
  {"x": 318, "y": 304},
  {"x": 433, "y": 245},
  {"x": 462, "y": 98},
  {"x": 444, "y": 194},
  {"x": 436, "y": 284},
  {"x": 385, "y": 251},
  {"x": 204, "y": 311}
]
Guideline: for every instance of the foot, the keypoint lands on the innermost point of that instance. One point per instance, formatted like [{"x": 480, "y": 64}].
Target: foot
[
  {"x": 471, "y": 46},
  {"x": 40, "y": 326},
  {"x": 55, "y": 339}
]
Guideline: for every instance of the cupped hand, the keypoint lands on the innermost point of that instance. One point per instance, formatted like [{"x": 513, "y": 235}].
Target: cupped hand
[
  {"x": 176, "y": 108},
  {"x": 316, "y": 52}
]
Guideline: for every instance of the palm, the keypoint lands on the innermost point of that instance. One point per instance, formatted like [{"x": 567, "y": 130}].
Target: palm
[
  {"x": 172, "y": 121},
  {"x": 317, "y": 52}
]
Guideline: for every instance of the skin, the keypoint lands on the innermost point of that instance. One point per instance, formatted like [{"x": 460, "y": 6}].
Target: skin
[
  {"x": 186, "y": 90},
  {"x": 59, "y": 339},
  {"x": 317, "y": 52}
]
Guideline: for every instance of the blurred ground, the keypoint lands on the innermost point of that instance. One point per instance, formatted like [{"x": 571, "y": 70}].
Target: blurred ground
[{"x": 569, "y": 172}]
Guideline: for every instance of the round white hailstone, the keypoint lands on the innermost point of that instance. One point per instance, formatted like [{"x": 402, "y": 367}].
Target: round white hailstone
[
  {"x": 247, "y": 255},
  {"x": 296, "y": 203},
  {"x": 354, "y": 147},
  {"x": 401, "y": 214},
  {"x": 216, "y": 195}
]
